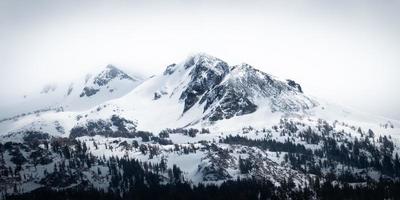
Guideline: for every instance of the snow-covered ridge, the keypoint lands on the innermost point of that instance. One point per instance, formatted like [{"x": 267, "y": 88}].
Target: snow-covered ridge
[
  {"x": 80, "y": 94},
  {"x": 202, "y": 90},
  {"x": 225, "y": 92},
  {"x": 111, "y": 73}
]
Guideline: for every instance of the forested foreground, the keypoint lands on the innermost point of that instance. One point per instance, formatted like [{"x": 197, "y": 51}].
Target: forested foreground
[
  {"x": 318, "y": 163},
  {"x": 238, "y": 189}
]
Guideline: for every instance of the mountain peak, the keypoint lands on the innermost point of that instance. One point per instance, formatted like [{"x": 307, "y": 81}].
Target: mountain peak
[
  {"x": 206, "y": 72},
  {"x": 110, "y": 66},
  {"x": 111, "y": 72},
  {"x": 233, "y": 91},
  {"x": 103, "y": 78},
  {"x": 202, "y": 55},
  {"x": 243, "y": 66},
  {"x": 243, "y": 69},
  {"x": 205, "y": 62}
]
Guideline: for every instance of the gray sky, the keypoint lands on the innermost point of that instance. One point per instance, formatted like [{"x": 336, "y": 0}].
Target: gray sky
[{"x": 344, "y": 51}]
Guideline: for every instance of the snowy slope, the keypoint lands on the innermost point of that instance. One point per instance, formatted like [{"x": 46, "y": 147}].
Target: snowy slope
[
  {"x": 201, "y": 91},
  {"x": 204, "y": 91},
  {"x": 78, "y": 95}
]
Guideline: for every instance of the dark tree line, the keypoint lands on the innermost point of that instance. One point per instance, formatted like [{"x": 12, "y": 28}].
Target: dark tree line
[{"x": 234, "y": 189}]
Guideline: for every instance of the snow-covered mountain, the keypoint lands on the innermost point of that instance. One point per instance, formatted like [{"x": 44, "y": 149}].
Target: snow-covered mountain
[
  {"x": 80, "y": 94},
  {"x": 203, "y": 90},
  {"x": 214, "y": 121}
]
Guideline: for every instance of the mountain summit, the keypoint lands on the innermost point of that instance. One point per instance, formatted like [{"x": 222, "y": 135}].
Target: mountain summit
[
  {"x": 80, "y": 94},
  {"x": 226, "y": 91},
  {"x": 223, "y": 91},
  {"x": 104, "y": 79}
]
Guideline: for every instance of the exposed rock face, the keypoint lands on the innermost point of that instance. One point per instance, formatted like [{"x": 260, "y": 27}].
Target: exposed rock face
[
  {"x": 225, "y": 92},
  {"x": 170, "y": 69},
  {"x": 228, "y": 103},
  {"x": 102, "y": 80},
  {"x": 87, "y": 91},
  {"x": 114, "y": 127},
  {"x": 295, "y": 85},
  {"x": 206, "y": 73},
  {"x": 110, "y": 73}
]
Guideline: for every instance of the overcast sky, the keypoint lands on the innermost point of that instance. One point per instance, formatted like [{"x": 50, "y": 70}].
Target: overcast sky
[{"x": 343, "y": 51}]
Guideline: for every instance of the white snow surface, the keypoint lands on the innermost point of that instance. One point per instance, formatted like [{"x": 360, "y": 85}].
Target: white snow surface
[{"x": 68, "y": 96}]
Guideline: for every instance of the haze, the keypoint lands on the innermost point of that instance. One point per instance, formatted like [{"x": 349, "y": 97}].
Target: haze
[{"x": 343, "y": 51}]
